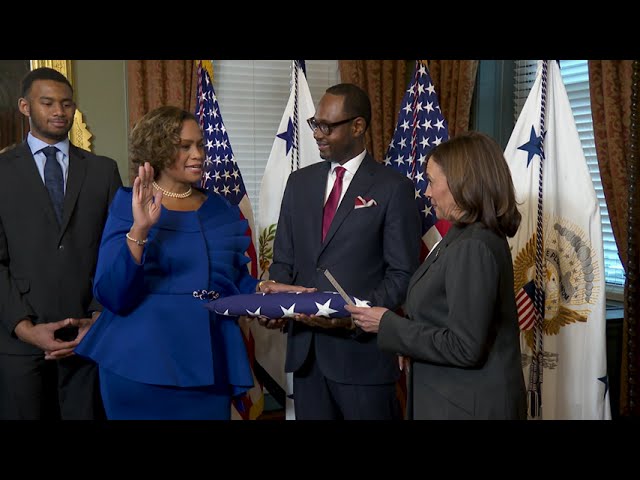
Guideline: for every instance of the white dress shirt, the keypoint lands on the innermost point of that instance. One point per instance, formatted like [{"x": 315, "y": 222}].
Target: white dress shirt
[{"x": 351, "y": 167}]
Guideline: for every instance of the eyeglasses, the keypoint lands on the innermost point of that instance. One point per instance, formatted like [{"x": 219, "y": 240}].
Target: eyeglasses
[{"x": 326, "y": 128}]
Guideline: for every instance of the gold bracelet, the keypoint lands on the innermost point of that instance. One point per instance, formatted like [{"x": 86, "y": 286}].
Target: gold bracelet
[
  {"x": 259, "y": 289},
  {"x": 140, "y": 243}
]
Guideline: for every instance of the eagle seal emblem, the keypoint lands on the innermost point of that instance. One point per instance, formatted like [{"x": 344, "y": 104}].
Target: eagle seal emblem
[{"x": 569, "y": 292}]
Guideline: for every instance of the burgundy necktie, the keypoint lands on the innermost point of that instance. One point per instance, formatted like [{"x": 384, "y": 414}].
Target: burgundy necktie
[{"x": 332, "y": 202}]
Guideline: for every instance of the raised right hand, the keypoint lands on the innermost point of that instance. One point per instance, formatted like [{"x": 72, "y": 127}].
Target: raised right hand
[{"x": 146, "y": 205}]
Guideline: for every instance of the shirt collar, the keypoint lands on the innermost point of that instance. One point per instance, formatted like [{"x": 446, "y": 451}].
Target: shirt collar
[
  {"x": 351, "y": 165},
  {"x": 35, "y": 144}
]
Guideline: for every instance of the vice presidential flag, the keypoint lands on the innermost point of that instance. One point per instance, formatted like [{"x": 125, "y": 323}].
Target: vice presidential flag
[
  {"x": 294, "y": 147},
  {"x": 421, "y": 126},
  {"x": 558, "y": 259},
  {"x": 221, "y": 174}
]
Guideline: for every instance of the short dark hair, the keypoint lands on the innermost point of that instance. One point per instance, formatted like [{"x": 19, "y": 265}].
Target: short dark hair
[
  {"x": 356, "y": 100},
  {"x": 156, "y": 138},
  {"x": 480, "y": 181},
  {"x": 42, "y": 73}
]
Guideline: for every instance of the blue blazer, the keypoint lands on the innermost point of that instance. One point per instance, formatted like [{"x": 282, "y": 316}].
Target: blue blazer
[{"x": 153, "y": 329}]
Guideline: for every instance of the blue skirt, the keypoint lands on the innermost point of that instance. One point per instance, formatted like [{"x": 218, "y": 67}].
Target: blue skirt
[{"x": 125, "y": 399}]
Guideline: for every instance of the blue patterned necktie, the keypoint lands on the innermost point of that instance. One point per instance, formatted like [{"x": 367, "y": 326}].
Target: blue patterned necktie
[{"x": 54, "y": 181}]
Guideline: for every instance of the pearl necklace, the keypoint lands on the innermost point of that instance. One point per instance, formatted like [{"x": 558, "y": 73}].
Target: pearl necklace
[{"x": 167, "y": 193}]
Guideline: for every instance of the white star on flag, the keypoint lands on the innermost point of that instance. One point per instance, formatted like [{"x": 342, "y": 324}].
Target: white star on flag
[
  {"x": 362, "y": 303},
  {"x": 288, "y": 312},
  {"x": 324, "y": 310}
]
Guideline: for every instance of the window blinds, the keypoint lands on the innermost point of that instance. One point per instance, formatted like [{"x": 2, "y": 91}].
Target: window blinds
[{"x": 252, "y": 95}]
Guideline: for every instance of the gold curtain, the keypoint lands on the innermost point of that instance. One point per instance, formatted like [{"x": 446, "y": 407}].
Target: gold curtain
[
  {"x": 454, "y": 81},
  {"x": 610, "y": 87},
  {"x": 610, "y": 83},
  {"x": 384, "y": 81},
  {"x": 153, "y": 83}
]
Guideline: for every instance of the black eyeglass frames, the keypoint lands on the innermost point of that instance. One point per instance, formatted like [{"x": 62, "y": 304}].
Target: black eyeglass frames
[{"x": 326, "y": 128}]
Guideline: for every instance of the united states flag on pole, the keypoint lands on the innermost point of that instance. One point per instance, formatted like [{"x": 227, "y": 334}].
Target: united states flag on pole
[
  {"x": 421, "y": 126},
  {"x": 222, "y": 175},
  {"x": 558, "y": 259},
  {"x": 293, "y": 147}
]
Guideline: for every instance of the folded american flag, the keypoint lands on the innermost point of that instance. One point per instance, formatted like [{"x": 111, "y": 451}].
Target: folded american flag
[{"x": 280, "y": 305}]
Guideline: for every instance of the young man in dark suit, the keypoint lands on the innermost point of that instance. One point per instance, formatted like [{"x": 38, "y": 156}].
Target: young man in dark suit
[
  {"x": 54, "y": 199},
  {"x": 358, "y": 219}
]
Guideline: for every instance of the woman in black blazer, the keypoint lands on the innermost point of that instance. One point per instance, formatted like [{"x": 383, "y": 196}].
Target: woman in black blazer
[{"x": 461, "y": 330}]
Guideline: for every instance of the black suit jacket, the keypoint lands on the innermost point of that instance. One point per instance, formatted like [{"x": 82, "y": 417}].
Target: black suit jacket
[
  {"x": 46, "y": 270},
  {"x": 462, "y": 332},
  {"x": 372, "y": 252}
]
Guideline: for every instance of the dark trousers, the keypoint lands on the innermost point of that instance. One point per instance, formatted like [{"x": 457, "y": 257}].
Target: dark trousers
[
  {"x": 32, "y": 388},
  {"x": 315, "y": 397}
]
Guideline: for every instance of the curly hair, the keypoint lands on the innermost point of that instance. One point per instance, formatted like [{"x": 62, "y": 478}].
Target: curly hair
[
  {"x": 480, "y": 181},
  {"x": 156, "y": 138}
]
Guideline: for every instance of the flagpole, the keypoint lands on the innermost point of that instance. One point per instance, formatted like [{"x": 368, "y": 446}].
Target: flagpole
[
  {"x": 414, "y": 123},
  {"x": 295, "y": 158},
  {"x": 537, "y": 354}
]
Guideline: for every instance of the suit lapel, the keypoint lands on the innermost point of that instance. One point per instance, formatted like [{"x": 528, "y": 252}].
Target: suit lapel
[
  {"x": 359, "y": 185},
  {"x": 315, "y": 192},
  {"x": 77, "y": 172},
  {"x": 424, "y": 266},
  {"x": 452, "y": 235},
  {"x": 25, "y": 165}
]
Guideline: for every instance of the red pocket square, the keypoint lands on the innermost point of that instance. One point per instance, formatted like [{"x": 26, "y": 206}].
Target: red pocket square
[{"x": 364, "y": 202}]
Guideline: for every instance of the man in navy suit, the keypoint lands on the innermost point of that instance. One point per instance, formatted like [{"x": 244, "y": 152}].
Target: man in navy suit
[
  {"x": 54, "y": 199},
  {"x": 370, "y": 243}
]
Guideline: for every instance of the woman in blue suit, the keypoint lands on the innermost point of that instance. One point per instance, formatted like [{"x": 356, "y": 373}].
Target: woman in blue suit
[{"x": 167, "y": 248}]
